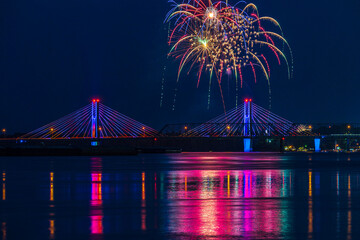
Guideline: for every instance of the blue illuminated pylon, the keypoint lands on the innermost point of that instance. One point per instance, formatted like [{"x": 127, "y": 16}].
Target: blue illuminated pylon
[
  {"x": 247, "y": 125},
  {"x": 247, "y": 117},
  {"x": 95, "y": 118}
]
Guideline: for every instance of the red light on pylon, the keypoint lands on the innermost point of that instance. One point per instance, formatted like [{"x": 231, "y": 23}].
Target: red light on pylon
[
  {"x": 250, "y": 100},
  {"x": 246, "y": 100}
]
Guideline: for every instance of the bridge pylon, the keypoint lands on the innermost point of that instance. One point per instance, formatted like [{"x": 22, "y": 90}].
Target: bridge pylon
[
  {"x": 247, "y": 125},
  {"x": 95, "y": 133},
  {"x": 247, "y": 117}
]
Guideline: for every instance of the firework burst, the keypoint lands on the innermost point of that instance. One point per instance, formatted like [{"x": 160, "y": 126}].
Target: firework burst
[{"x": 220, "y": 38}]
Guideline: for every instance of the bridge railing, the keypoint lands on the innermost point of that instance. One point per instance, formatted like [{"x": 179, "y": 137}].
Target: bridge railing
[{"x": 275, "y": 129}]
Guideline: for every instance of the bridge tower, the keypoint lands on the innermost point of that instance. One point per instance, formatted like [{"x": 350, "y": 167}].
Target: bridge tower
[
  {"x": 95, "y": 133},
  {"x": 247, "y": 117},
  {"x": 247, "y": 125}
]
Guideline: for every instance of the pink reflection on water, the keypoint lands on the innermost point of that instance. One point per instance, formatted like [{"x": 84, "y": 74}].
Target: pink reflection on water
[
  {"x": 96, "y": 212},
  {"x": 217, "y": 160},
  {"x": 223, "y": 203},
  {"x": 248, "y": 180}
]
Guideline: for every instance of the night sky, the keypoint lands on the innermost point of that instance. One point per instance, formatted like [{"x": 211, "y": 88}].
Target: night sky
[{"x": 56, "y": 55}]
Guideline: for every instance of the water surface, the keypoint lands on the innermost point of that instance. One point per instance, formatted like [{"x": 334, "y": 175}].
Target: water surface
[{"x": 181, "y": 196}]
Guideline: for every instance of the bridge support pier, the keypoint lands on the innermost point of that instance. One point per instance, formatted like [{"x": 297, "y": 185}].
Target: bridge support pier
[
  {"x": 317, "y": 142},
  {"x": 247, "y": 145}
]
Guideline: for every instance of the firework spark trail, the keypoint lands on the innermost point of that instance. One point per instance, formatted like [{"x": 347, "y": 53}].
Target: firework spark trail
[{"x": 220, "y": 37}]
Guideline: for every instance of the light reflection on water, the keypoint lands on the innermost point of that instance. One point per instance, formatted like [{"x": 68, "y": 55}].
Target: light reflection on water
[
  {"x": 51, "y": 212},
  {"x": 102, "y": 203},
  {"x": 229, "y": 203},
  {"x": 96, "y": 211},
  {"x": 4, "y": 186}
]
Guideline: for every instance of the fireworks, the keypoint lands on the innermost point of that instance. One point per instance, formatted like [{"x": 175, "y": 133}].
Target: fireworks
[{"x": 220, "y": 38}]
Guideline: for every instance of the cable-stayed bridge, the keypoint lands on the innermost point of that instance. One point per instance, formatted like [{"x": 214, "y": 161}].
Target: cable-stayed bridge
[
  {"x": 242, "y": 127},
  {"x": 249, "y": 120},
  {"x": 95, "y": 120}
]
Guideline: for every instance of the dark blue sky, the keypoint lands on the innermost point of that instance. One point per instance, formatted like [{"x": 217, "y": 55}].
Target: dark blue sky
[{"x": 55, "y": 55}]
